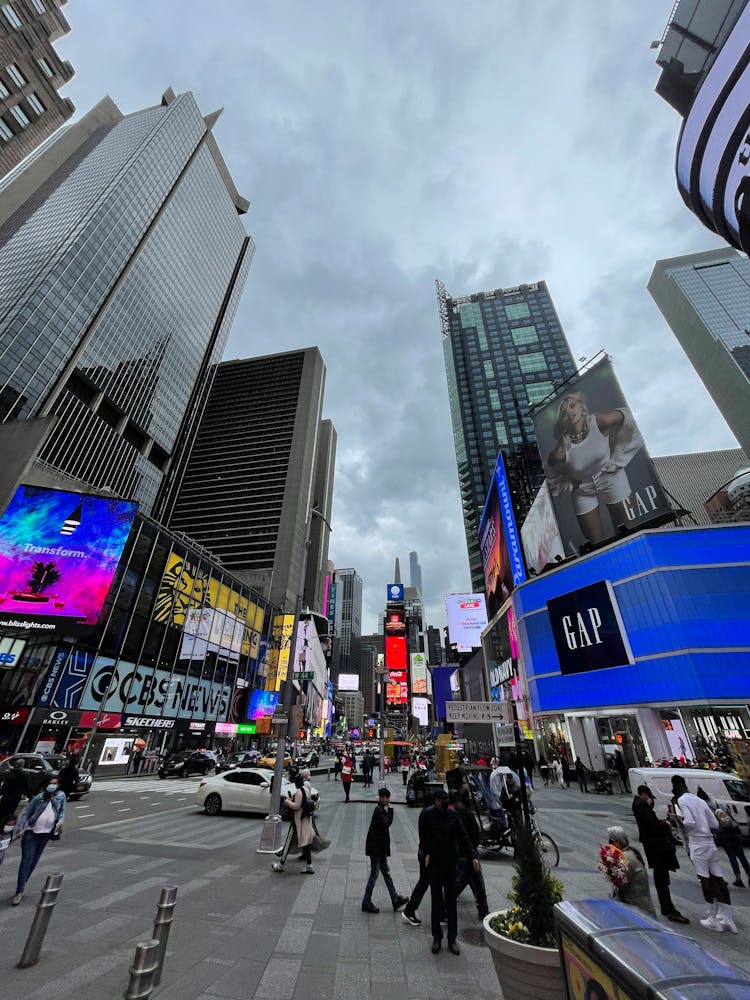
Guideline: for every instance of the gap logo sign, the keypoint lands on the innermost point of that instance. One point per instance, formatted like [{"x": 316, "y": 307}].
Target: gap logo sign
[{"x": 588, "y": 629}]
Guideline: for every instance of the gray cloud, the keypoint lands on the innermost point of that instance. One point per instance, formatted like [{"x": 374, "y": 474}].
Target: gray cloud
[{"x": 384, "y": 145}]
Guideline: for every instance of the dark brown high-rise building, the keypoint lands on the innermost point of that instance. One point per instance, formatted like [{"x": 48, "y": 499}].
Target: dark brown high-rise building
[{"x": 31, "y": 75}]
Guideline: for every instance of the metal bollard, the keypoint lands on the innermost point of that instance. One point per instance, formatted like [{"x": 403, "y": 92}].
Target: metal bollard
[
  {"x": 142, "y": 971},
  {"x": 39, "y": 924},
  {"x": 162, "y": 925},
  {"x": 329, "y": 775}
]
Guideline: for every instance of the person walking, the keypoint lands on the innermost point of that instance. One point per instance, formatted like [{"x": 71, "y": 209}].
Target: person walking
[
  {"x": 729, "y": 838},
  {"x": 68, "y": 776},
  {"x": 467, "y": 873},
  {"x": 544, "y": 769},
  {"x": 699, "y": 826},
  {"x": 40, "y": 821},
  {"x": 635, "y": 892},
  {"x": 582, "y": 775},
  {"x": 404, "y": 765},
  {"x": 302, "y": 808},
  {"x": 367, "y": 768},
  {"x": 336, "y": 766},
  {"x": 443, "y": 841},
  {"x": 378, "y": 850},
  {"x": 566, "y": 770},
  {"x": 558, "y": 769},
  {"x": 347, "y": 774},
  {"x": 658, "y": 844},
  {"x": 13, "y": 789}
]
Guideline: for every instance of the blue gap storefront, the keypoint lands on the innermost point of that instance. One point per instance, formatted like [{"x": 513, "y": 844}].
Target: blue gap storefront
[{"x": 643, "y": 646}]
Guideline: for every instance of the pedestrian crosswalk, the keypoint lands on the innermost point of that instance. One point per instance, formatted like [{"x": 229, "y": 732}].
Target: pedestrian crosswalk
[
  {"x": 168, "y": 786},
  {"x": 184, "y": 827}
]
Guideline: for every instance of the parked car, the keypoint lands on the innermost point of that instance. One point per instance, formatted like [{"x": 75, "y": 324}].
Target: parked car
[
  {"x": 311, "y": 759},
  {"x": 39, "y": 768},
  {"x": 246, "y": 789},
  {"x": 246, "y": 758},
  {"x": 185, "y": 763}
]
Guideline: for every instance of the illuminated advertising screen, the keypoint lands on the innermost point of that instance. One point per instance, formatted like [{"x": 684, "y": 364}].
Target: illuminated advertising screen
[
  {"x": 261, "y": 703},
  {"x": 348, "y": 682},
  {"x": 540, "y": 536},
  {"x": 467, "y": 618},
  {"x": 395, "y": 652},
  {"x": 420, "y": 709},
  {"x": 395, "y": 592},
  {"x": 501, "y": 653},
  {"x": 395, "y": 622},
  {"x": 599, "y": 472},
  {"x": 58, "y": 555},
  {"x": 499, "y": 542},
  {"x": 713, "y": 152},
  {"x": 418, "y": 673}
]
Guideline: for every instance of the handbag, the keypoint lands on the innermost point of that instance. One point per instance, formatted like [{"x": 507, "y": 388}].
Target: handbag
[{"x": 56, "y": 833}]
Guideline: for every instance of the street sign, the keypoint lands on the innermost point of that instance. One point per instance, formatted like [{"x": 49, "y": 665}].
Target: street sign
[
  {"x": 506, "y": 733},
  {"x": 305, "y": 675},
  {"x": 475, "y": 711}
]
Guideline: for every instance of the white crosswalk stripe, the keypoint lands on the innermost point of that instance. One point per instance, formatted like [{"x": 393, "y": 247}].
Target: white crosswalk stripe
[
  {"x": 188, "y": 829},
  {"x": 169, "y": 786}
]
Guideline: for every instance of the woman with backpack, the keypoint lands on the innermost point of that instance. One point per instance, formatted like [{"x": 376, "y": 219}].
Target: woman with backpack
[{"x": 302, "y": 808}]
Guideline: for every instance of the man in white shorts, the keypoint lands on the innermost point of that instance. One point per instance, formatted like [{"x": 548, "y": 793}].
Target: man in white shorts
[{"x": 698, "y": 824}]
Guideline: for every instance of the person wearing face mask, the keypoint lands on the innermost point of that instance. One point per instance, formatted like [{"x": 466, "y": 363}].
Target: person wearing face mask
[
  {"x": 658, "y": 845},
  {"x": 42, "y": 818}
]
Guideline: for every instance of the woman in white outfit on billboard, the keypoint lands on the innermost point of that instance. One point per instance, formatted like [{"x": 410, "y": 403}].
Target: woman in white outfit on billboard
[{"x": 589, "y": 462}]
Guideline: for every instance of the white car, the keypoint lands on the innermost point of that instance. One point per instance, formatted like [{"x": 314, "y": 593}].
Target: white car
[{"x": 246, "y": 789}]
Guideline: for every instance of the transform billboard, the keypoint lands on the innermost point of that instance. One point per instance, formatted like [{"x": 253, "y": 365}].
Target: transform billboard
[
  {"x": 713, "y": 151},
  {"x": 467, "y": 618},
  {"x": 600, "y": 475},
  {"x": 540, "y": 536},
  {"x": 261, "y": 703},
  {"x": 499, "y": 542},
  {"x": 58, "y": 556}
]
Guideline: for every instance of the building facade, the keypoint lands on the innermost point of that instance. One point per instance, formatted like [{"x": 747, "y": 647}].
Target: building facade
[
  {"x": 249, "y": 480},
  {"x": 415, "y": 572},
  {"x": 31, "y": 76},
  {"x": 705, "y": 299},
  {"x": 348, "y": 622},
  {"x": 694, "y": 478},
  {"x": 122, "y": 260},
  {"x": 504, "y": 351}
]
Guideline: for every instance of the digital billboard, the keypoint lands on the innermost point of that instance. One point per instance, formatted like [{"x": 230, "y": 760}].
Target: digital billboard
[
  {"x": 395, "y": 622},
  {"x": 499, "y": 542},
  {"x": 600, "y": 475},
  {"x": 588, "y": 630},
  {"x": 58, "y": 555},
  {"x": 540, "y": 536},
  {"x": 420, "y": 709},
  {"x": 261, "y": 703},
  {"x": 395, "y": 592},
  {"x": 467, "y": 618},
  {"x": 502, "y": 653},
  {"x": 713, "y": 152},
  {"x": 348, "y": 682},
  {"x": 395, "y": 652},
  {"x": 418, "y": 673}
]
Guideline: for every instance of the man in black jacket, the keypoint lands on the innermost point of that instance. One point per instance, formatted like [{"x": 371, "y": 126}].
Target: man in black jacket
[
  {"x": 15, "y": 786},
  {"x": 443, "y": 840},
  {"x": 467, "y": 874},
  {"x": 378, "y": 850},
  {"x": 658, "y": 844}
]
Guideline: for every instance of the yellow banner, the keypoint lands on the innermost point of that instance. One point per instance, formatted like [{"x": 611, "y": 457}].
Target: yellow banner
[{"x": 278, "y": 657}]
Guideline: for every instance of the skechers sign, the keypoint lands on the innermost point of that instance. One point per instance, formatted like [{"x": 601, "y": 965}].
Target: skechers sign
[
  {"x": 713, "y": 152},
  {"x": 588, "y": 630}
]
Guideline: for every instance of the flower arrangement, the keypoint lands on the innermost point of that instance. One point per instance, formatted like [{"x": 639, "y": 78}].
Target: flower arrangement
[
  {"x": 535, "y": 890},
  {"x": 613, "y": 863}
]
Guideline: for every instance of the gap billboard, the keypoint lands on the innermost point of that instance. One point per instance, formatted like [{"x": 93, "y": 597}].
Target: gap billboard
[{"x": 600, "y": 475}]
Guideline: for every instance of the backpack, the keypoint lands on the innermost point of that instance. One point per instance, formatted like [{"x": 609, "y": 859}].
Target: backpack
[{"x": 308, "y": 804}]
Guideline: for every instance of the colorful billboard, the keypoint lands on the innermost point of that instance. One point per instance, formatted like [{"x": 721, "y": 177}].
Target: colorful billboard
[
  {"x": 467, "y": 618},
  {"x": 713, "y": 152},
  {"x": 348, "y": 682},
  {"x": 502, "y": 653},
  {"x": 420, "y": 709},
  {"x": 540, "y": 536},
  {"x": 499, "y": 542},
  {"x": 278, "y": 655},
  {"x": 395, "y": 593},
  {"x": 600, "y": 475},
  {"x": 58, "y": 555},
  {"x": 418, "y": 673},
  {"x": 261, "y": 703}
]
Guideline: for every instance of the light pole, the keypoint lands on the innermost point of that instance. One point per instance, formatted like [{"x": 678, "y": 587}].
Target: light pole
[{"x": 270, "y": 837}]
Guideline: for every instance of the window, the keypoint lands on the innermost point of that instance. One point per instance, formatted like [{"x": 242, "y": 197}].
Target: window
[
  {"x": 16, "y": 75},
  {"x": 538, "y": 391},
  {"x": 39, "y": 6},
  {"x": 35, "y": 104},
  {"x": 535, "y": 362},
  {"x": 9, "y": 13},
  {"x": 20, "y": 116},
  {"x": 489, "y": 371},
  {"x": 4, "y": 92},
  {"x": 525, "y": 335},
  {"x": 501, "y": 432},
  {"x": 45, "y": 67},
  {"x": 517, "y": 310},
  {"x": 5, "y": 132}
]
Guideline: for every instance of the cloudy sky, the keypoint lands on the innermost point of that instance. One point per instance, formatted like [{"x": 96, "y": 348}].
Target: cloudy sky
[{"x": 384, "y": 144}]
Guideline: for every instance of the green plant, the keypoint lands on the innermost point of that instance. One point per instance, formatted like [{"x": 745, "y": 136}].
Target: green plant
[
  {"x": 535, "y": 890},
  {"x": 43, "y": 575}
]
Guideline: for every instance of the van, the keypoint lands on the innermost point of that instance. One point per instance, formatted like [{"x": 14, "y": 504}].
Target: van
[{"x": 727, "y": 790}]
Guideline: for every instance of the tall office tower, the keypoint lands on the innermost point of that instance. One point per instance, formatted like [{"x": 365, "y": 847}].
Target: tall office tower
[
  {"x": 122, "y": 261},
  {"x": 247, "y": 484},
  {"x": 435, "y": 646},
  {"x": 322, "y": 498},
  {"x": 415, "y": 624},
  {"x": 504, "y": 351},
  {"x": 31, "y": 75},
  {"x": 415, "y": 572},
  {"x": 348, "y": 622},
  {"x": 705, "y": 298}
]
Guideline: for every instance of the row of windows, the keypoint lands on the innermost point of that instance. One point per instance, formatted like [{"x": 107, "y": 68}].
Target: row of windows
[{"x": 20, "y": 116}]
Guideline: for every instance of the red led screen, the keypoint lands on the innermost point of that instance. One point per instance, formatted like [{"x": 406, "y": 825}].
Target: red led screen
[{"x": 395, "y": 652}]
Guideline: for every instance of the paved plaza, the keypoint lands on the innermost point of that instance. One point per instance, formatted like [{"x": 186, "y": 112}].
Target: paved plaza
[{"x": 242, "y": 931}]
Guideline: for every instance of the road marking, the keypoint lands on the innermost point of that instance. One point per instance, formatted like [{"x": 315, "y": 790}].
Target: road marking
[
  {"x": 123, "y": 810},
  {"x": 116, "y": 802},
  {"x": 122, "y": 894},
  {"x": 85, "y": 815},
  {"x": 114, "y": 822}
]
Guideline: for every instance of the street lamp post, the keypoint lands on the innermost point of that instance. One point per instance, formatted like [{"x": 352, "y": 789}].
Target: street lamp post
[{"x": 270, "y": 838}]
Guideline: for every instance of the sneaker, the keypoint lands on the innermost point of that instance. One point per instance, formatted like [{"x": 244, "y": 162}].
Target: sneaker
[
  {"x": 712, "y": 924},
  {"x": 277, "y": 867},
  {"x": 308, "y": 870},
  {"x": 398, "y": 902},
  {"x": 17, "y": 899},
  {"x": 676, "y": 917},
  {"x": 411, "y": 918},
  {"x": 729, "y": 924},
  {"x": 369, "y": 907}
]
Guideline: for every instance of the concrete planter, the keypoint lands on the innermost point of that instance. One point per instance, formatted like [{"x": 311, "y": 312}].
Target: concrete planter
[{"x": 525, "y": 971}]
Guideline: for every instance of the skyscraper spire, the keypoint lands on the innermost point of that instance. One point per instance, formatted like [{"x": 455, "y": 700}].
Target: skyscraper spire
[{"x": 397, "y": 572}]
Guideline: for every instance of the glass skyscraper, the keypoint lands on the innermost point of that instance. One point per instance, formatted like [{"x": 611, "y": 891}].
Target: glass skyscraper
[
  {"x": 348, "y": 622},
  {"x": 705, "y": 298},
  {"x": 122, "y": 261},
  {"x": 504, "y": 351}
]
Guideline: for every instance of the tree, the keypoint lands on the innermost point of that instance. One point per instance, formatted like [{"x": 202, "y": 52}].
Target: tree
[{"x": 43, "y": 575}]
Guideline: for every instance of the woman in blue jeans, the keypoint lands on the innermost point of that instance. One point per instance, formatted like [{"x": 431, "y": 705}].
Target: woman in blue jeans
[{"x": 43, "y": 816}]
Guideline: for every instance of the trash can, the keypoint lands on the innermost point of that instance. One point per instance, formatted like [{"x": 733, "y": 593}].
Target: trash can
[{"x": 611, "y": 951}]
